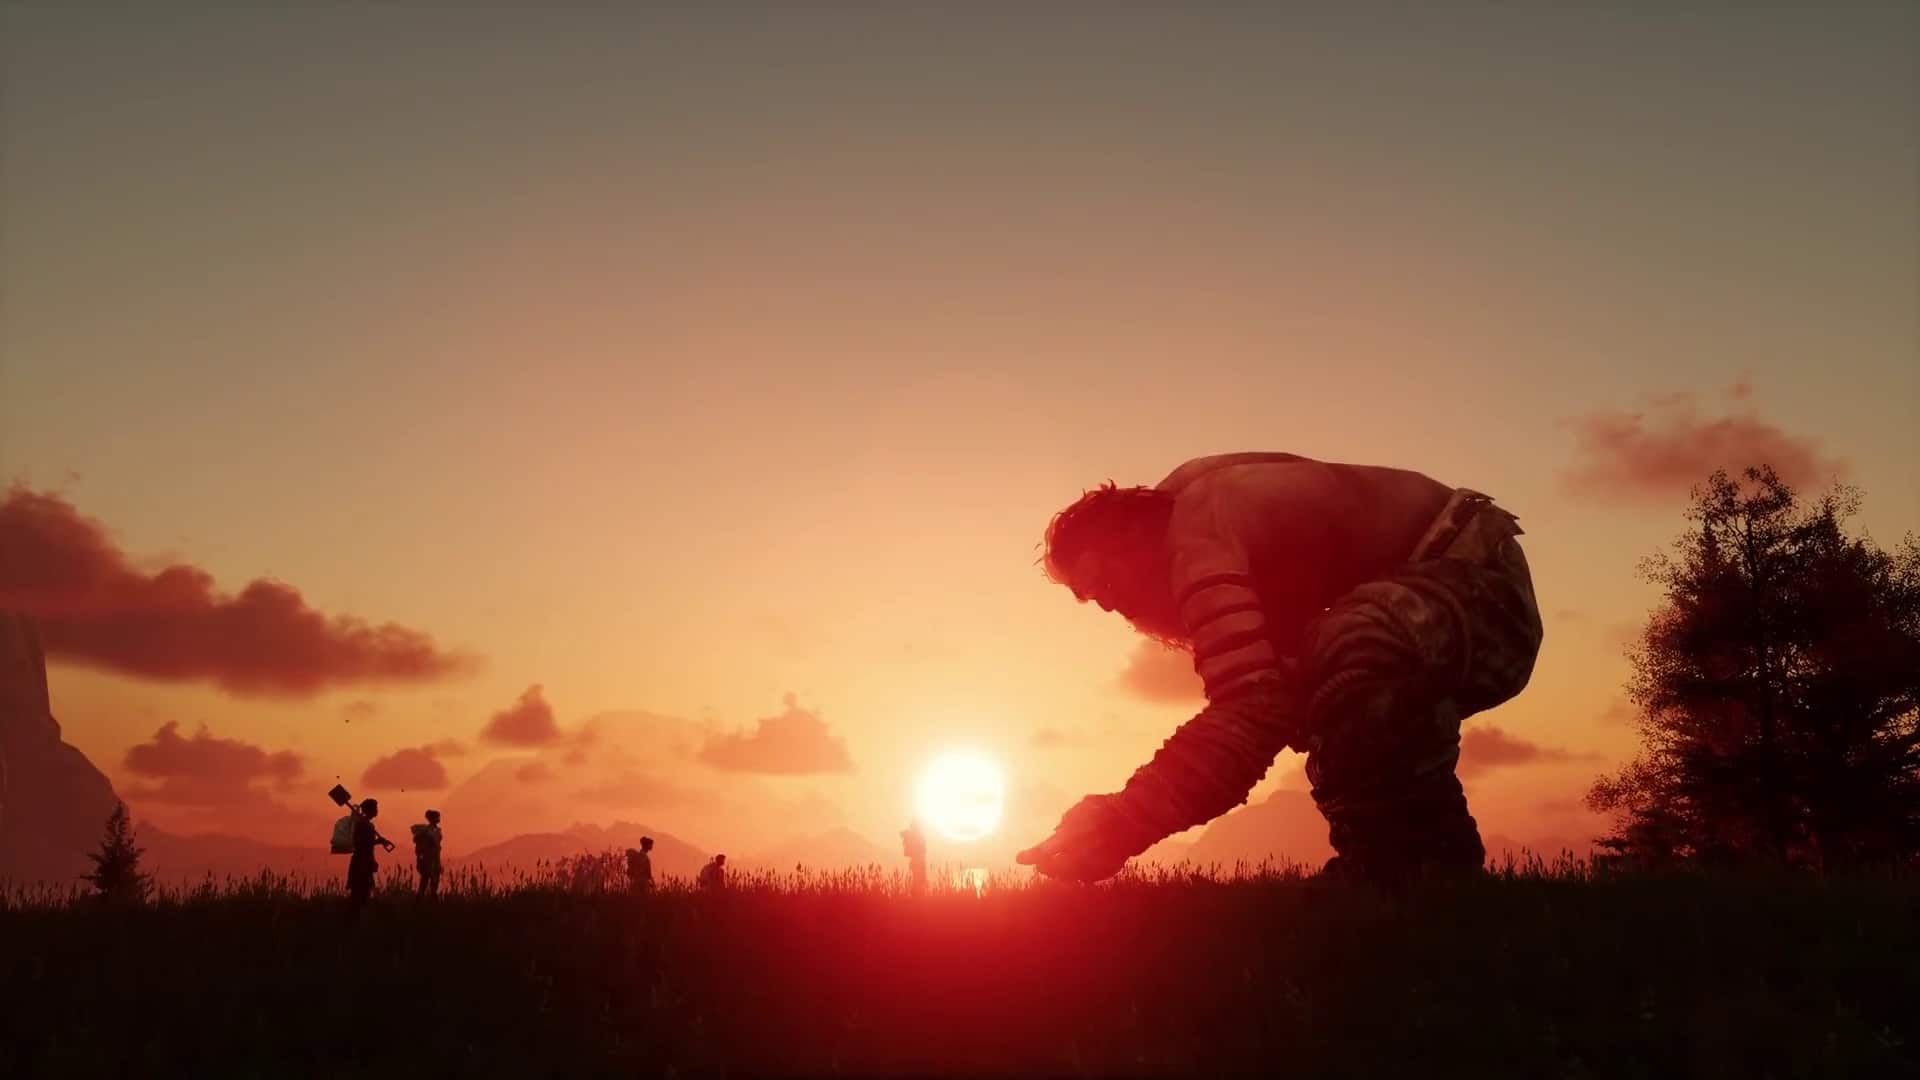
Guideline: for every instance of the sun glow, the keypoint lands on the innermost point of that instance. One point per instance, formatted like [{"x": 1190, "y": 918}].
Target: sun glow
[{"x": 960, "y": 794}]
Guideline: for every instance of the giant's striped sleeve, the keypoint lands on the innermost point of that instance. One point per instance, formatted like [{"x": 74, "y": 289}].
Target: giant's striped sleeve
[
  {"x": 1214, "y": 585},
  {"x": 1208, "y": 766}
]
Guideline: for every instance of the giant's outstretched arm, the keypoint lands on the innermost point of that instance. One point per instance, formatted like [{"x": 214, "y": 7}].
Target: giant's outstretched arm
[{"x": 1212, "y": 761}]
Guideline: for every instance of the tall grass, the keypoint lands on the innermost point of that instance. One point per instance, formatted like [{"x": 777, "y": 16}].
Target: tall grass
[{"x": 1546, "y": 967}]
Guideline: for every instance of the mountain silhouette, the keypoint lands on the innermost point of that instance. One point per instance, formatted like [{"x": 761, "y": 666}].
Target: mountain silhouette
[
  {"x": 1285, "y": 827},
  {"x": 835, "y": 849},
  {"x": 177, "y": 860},
  {"x": 672, "y": 856}
]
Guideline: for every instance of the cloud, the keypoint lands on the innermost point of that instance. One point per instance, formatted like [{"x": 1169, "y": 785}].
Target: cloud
[
  {"x": 359, "y": 710},
  {"x": 792, "y": 743},
  {"x": 536, "y": 772},
  {"x": 1159, "y": 674},
  {"x": 1625, "y": 634},
  {"x": 207, "y": 770},
  {"x": 527, "y": 722},
  {"x": 416, "y": 767},
  {"x": 1620, "y": 713},
  {"x": 1659, "y": 454},
  {"x": 640, "y": 730},
  {"x": 630, "y": 788},
  {"x": 1053, "y": 739},
  {"x": 94, "y": 608},
  {"x": 208, "y": 757},
  {"x": 1487, "y": 747}
]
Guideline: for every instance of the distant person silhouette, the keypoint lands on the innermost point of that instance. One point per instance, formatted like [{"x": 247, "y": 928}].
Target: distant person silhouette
[
  {"x": 362, "y": 867},
  {"x": 426, "y": 854},
  {"x": 1355, "y": 612},
  {"x": 714, "y": 874},
  {"x": 913, "y": 843},
  {"x": 640, "y": 866}
]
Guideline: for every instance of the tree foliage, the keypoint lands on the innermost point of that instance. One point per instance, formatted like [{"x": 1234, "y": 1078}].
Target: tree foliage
[
  {"x": 116, "y": 866},
  {"x": 1778, "y": 688}
]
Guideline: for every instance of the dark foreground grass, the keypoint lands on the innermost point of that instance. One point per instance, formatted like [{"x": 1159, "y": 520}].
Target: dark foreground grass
[{"x": 1544, "y": 973}]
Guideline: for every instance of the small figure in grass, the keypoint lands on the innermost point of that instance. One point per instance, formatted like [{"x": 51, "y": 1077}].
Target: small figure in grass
[
  {"x": 426, "y": 854},
  {"x": 640, "y": 866},
  {"x": 714, "y": 874}
]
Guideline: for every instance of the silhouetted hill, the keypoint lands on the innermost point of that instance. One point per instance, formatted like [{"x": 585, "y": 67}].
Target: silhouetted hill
[
  {"x": 672, "y": 856},
  {"x": 1285, "y": 827},
  {"x": 53, "y": 803},
  {"x": 1167, "y": 853},
  {"x": 835, "y": 849},
  {"x": 1500, "y": 845},
  {"x": 185, "y": 859}
]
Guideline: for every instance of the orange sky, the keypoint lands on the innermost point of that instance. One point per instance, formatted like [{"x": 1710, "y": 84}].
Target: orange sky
[{"x": 677, "y": 363}]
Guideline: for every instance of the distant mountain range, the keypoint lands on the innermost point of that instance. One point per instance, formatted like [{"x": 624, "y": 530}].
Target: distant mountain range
[
  {"x": 835, "y": 849},
  {"x": 672, "y": 856},
  {"x": 182, "y": 860}
]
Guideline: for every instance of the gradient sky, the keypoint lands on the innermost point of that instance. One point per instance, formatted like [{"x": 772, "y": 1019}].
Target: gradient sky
[{"x": 679, "y": 361}]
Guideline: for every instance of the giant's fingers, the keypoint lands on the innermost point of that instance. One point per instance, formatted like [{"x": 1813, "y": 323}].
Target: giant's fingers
[{"x": 1043, "y": 850}]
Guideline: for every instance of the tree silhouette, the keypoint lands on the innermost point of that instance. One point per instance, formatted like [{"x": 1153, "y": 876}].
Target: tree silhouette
[
  {"x": 1778, "y": 689},
  {"x": 116, "y": 866}
]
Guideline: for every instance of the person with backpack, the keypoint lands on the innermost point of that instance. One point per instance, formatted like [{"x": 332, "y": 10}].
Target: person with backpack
[
  {"x": 714, "y": 874},
  {"x": 426, "y": 855},
  {"x": 363, "y": 866},
  {"x": 640, "y": 866}
]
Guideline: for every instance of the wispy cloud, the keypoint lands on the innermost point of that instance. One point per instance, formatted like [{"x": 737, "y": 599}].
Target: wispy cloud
[
  {"x": 1659, "y": 452},
  {"x": 794, "y": 741},
  {"x": 94, "y": 608}
]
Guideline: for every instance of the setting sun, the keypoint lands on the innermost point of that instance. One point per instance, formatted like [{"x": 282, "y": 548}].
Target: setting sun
[{"x": 960, "y": 794}]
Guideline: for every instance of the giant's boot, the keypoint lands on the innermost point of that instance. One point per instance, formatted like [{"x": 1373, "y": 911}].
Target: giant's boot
[{"x": 1423, "y": 831}]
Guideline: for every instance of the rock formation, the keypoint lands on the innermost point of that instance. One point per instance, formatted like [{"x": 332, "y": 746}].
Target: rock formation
[{"x": 53, "y": 802}]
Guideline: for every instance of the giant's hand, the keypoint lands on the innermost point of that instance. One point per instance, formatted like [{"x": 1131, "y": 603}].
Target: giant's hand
[
  {"x": 1202, "y": 771},
  {"x": 1093, "y": 841}
]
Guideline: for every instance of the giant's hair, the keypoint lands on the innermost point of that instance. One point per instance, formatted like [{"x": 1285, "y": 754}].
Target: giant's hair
[{"x": 1101, "y": 517}]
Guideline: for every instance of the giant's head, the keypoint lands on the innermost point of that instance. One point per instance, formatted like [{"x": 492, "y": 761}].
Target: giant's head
[{"x": 1110, "y": 547}]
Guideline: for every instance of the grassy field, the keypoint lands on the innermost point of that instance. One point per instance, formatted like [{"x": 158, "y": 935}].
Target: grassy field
[{"x": 1538, "y": 971}]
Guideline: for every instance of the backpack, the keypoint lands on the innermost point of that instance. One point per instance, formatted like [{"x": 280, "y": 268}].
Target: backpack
[{"x": 343, "y": 836}]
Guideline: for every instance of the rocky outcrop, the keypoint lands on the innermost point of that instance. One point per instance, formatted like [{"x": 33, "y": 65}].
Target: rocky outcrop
[{"x": 53, "y": 802}]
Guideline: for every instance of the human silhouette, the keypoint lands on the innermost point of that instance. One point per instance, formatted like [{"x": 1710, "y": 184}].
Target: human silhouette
[
  {"x": 913, "y": 843},
  {"x": 714, "y": 874},
  {"x": 640, "y": 866},
  {"x": 1356, "y": 612},
  {"x": 362, "y": 867},
  {"x": 426, "y": 854}
]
